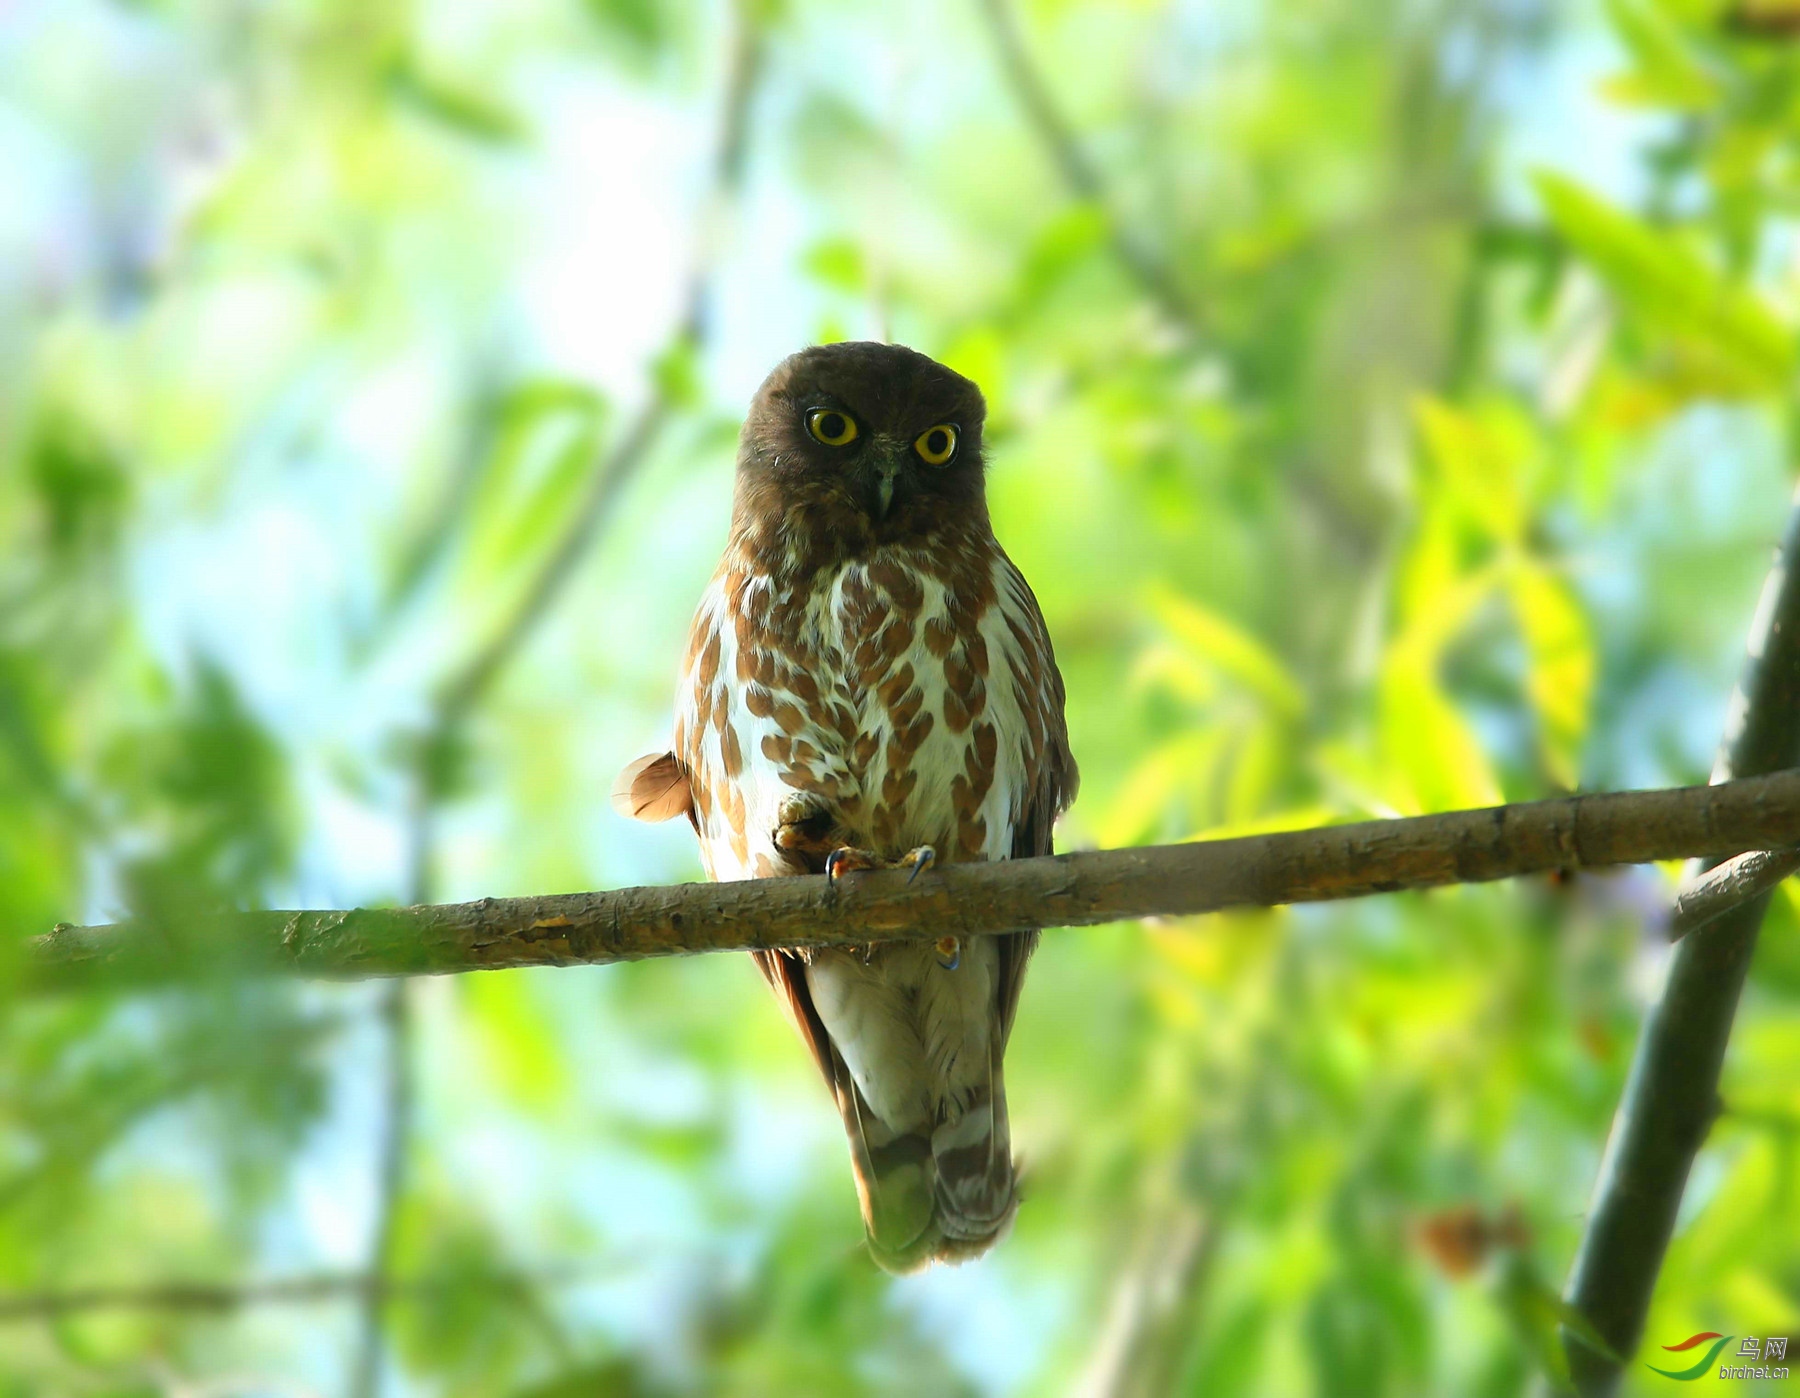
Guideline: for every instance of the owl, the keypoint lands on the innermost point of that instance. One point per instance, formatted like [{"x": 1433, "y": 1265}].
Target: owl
[{"x": 869, "y": 683}]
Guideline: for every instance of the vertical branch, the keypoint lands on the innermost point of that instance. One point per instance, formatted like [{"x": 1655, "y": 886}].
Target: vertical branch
[
  {"x": 1079, "y": 173},
  {"x": 619, "y": 466},
  {"x": 1672, "y": 1093},
  {"x": 1154, "y": 1313},
  {"x": 1160, "y": 1298},
  {"x": 396, "y": 1126},
  {"x": 463, "y": 692},
  {"x": 395, "y": 1015}
]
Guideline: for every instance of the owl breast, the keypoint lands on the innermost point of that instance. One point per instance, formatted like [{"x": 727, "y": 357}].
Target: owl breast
[{"x": 898, "y": 696}]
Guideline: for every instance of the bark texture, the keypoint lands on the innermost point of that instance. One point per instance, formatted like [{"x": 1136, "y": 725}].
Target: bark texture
[
  {"x": 1671, "y": 1096},
  {"x": 1068, "y": 890}
]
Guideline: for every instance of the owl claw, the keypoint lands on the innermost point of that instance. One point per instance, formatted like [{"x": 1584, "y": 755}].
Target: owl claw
[
  {"x": 920, "y": 859},
  {"x": 949, "y": 952},
  {"x": 847, "y": 859}
]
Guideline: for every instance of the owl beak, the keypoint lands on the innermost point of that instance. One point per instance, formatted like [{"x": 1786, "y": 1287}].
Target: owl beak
[{"x": 878, "y": 483}]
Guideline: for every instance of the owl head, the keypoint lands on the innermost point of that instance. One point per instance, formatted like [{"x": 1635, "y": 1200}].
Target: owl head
[{"x": 863, "y": 444}]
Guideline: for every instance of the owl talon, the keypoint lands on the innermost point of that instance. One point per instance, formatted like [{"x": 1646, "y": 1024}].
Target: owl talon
[
  {"x": 846, "y": 859},
  {"x": 920, "y": 859},
  {"x": 949, "y": 952}
]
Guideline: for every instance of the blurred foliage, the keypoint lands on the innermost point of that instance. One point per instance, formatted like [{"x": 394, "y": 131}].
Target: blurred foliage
[{"x": 1443, "y": 470}]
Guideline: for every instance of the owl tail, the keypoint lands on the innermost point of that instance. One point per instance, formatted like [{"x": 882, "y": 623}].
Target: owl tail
[{"x": 943, "y": 1197}]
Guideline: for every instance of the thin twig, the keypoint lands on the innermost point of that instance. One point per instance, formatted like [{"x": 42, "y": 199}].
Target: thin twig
[
  {"x": 227, "y": 1297},
  {"x": 390, "y": 1188},
  {"x": 394, "y": 1139},
  {"x": 1149, "y": 1326},
  {"x": 459, "y": 696},
  {"x": 619, "y": 466},
  {"x": 615, "y": 471},
  {"x": 1671, "y": 1095},
  {"x": 1717, "y": 891},
  {"x": 1069, "y": 890},
  {"x": 1079, "y": 172}
]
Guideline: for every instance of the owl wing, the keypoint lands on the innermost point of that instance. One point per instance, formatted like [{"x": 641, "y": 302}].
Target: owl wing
[
  {"x": 1052, "y": 779},
  {"x": 785, "y": 972}
]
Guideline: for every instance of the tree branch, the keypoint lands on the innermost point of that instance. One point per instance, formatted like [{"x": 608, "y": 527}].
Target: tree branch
[
  {"x": 458, "y": 697},
  {"x": 616, "y": 468},
  {"x": 393, "y": 1145},
  {"x": 227, "y": 1297},
  {"x": 1078, "y": 172},
  {"x": 1713, "y": 894},
  {"x": 1672, "y": 1093},
  {"x": 1069, "y": 890}
]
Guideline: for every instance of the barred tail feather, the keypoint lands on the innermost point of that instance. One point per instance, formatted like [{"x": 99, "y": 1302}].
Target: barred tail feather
[
  {"x": 944, "y": 1197},
  {"x": 976, "y": 1183}
]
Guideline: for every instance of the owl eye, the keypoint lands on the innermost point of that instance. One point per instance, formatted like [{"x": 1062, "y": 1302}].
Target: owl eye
[
  {"x": 936, "y": 445},
  {"x": 831, "y": 427}
]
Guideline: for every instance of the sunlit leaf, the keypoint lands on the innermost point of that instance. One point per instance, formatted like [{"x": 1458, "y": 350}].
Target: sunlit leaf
[
  {"x": 1661, "y": 278},
  {"x": 1431, "y": 747},
  {"x": 1482, "y": 461},
  {"x": 544, "y": 452},
  {"x": 456, "y": 107},
  {"x": 979, "y": 354},
  {"x": 1666, "y": 71},
  {"x": 1233, "y": 650},
  {"x": 517, "y": 1046},
  {"x": 1175, "y": 773},
  {"x": 1560, "y": 662}
]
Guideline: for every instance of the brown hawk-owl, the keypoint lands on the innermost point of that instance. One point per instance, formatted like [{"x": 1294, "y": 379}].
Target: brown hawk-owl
[{"x": 869, "y": 682}]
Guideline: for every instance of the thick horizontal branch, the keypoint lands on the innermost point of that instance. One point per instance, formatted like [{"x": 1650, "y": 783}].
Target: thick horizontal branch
[{"x": 1068, "y": 890}]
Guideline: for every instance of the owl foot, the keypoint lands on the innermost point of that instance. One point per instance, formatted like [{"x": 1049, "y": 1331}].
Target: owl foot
[
  {"x": 804, "y": 826},
  {"x": 949, "y": 952},
  {"x": 847, "y": 859}
]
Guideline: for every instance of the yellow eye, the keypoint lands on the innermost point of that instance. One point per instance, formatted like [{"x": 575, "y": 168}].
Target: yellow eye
[
  {"x": 936, "y": 445},
  {"x": 831, "y": 427}
]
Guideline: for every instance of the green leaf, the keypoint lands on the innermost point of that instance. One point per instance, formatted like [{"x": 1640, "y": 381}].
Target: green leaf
[
  {"x": 1660, "y": 278},
  {"x": 1539, "y": 1313},
  {"x": 1481, "y": 459},
  {"x": 542, "y": 453},
  {"x": 979, "y": 354},
  {"x": 1426, "y": 742},
  {"x": 461, "y": 109},
  {"x": 618, "y": 1377},
  {"x": 1071, "y": 238},
  {"x": 517, "y": 1046},
  {"x": 1171, "y": 774},
  {"x": 1560, "y": 661},
  {"x": 1232, "y": 650},
  {"x": 640, "y": 29},
  {"x": 1667, "y": 73},
  {"x": 676, "y": 372}
]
